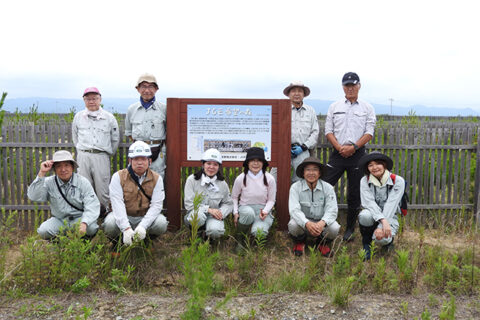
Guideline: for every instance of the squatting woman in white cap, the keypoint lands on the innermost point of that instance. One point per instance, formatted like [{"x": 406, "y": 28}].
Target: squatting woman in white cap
[{"x": 217, "y": 203}]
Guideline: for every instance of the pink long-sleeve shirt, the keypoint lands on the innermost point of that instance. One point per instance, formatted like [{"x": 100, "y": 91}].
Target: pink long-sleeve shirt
[{"x": 255, "y": 192}]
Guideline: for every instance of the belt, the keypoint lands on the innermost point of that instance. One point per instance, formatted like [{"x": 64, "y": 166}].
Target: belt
[
  {"x": 152, "y": 142},
  {"x": 94, "y": 151}
]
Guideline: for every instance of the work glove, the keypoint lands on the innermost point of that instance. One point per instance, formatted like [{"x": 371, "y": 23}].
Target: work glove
[
  {"x": 296, "y": 150},
  {"x": 128, "y": 236},
  {"x": 140, "y": 233}
]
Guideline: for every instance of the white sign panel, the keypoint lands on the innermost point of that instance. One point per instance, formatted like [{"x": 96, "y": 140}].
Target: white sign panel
[{"x": 231, "y": 129}]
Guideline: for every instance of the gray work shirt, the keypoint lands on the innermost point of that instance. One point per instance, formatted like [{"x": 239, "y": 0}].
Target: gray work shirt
[
  {"x": 349, "y": 122},
  {"x": 211, "y": 199},
  {"x": 77, "y": 190},
  {"x": 96, "y": 133},
  {"x": 304, "y": 126},
  {"x": 383, "y": 202},
  {"x": 305, "y": 204},
  {"x": 146, "y": 124}
]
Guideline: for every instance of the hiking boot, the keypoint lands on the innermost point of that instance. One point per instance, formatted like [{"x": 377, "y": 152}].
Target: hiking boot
[
  {"x": 367, "y": 248},
  {"x": 348, "y": 235},
  {"x": 325, "y": 251},
  {"x": 298, "y": 249}
]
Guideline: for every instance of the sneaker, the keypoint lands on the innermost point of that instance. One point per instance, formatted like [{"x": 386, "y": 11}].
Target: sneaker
[
  {"x": 298, "y": 249},
  {"x": 348, "y": 235},
  {"x": 325, "y": 251}
]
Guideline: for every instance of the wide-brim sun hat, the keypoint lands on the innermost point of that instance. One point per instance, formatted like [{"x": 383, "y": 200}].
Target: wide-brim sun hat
[
  {"x": 299, "y": 84},
  {"x": 373, "y": 156},
  {"x": 64, "y": 155},
  {"x": 255, "y": 153},
  {"x": 311, "y": 160}
]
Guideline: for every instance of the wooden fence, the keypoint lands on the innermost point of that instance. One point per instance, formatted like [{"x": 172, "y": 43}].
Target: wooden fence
[{"x": 438, "y": 163}]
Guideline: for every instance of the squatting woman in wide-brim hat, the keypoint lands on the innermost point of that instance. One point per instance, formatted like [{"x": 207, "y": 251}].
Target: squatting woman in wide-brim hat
[
  {"x": 253, "y": 196},
  {"x": 381, "y": 192}
]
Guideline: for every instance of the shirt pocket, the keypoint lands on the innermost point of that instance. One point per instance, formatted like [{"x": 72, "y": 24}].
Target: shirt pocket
[
  {"x": 103, "y": 134},
  {"x": 157, "y": 127},
  {"x": 360, "y": 118},
  {"x": 214, "y": 200},
  {"x": 339, "y": 119},
  {"x": 137, "y": 126},
  {"x": 306, "y": 208}
]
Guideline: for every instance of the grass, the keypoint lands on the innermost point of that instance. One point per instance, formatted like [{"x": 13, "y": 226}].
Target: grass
[{"x": 425, "y": 262}]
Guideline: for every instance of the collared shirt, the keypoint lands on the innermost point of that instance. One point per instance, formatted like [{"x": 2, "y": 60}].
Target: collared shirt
[
  {"x": 305, "y": 204},
  {"x": 118, "y": 204},
  {"x": 78, "y": 191},
  {"x": 220, "y": 199},
  {"x": 304, "y": 126},
  {"x": 146, "y": 124},
  {"x": 256, "y": 192},
  {"x": 349, "y": 122},
  {"x": 97, "y": 133},
  {"x": 383, "y": 202}
]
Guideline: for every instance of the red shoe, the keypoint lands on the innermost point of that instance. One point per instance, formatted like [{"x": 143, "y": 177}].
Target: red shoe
[
  {"x": 115, "y": 254},
  {"x": 325, "y": 251},
  {"x": 298, "y": 249}
]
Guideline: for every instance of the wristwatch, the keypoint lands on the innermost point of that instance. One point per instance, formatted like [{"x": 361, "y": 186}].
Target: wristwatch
[{"x": 355, "y": 147}]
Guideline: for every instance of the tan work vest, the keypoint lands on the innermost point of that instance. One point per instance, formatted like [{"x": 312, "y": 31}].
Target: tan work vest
[{"x": 135, "y": 201}]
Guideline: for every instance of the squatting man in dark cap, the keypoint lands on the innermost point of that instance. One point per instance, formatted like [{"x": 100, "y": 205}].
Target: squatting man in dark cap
[
  {"x": 312, "y": 204},
  {"x": 71, "y": 196},
  {"x": 349, "y": 125}
]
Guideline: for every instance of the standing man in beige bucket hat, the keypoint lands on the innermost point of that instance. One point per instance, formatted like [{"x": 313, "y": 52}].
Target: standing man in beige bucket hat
[
  {"x": 304, "y": 126},
  {"x": 146, "y": 121},
  {"x": 71, "y": 196}
]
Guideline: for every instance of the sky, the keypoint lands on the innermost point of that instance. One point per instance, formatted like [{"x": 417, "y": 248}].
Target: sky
[{"x": 414, "y": 52}]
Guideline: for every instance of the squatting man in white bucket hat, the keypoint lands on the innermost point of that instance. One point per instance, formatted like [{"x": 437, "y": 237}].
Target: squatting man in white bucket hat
[
  {"x": 71, "y": 196},
  {"x": 136, "y": 195}
]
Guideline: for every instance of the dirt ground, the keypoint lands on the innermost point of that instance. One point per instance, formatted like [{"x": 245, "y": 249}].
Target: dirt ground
[{"x": 170, "y": 303}]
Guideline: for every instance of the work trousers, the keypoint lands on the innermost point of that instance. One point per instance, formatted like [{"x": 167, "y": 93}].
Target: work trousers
[
  {"x": 96, "y": 168},
  {"x": 250, "y": 215},
  {"x": 337, "y": 165},
  {"x": 52, "y": 226}
]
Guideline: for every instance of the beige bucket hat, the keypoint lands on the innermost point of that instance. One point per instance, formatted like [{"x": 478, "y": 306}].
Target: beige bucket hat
[
  {"x": 64, "y": 155},
  {"x": 294, "y": 84},
  {"x": 147, "y": 77}
]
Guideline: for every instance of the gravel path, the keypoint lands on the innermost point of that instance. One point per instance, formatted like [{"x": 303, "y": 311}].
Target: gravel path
[{"x": 255, "y": 306}]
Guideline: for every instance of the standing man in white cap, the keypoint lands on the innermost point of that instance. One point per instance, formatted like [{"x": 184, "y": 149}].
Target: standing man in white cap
[
  {"x": 137, "y": 195},
  {"x": 349, "y": 125},
  {"x": 146, "y": 121},
  {"x": 96, "y": 137},
  {"x": 71, "y": 196}
]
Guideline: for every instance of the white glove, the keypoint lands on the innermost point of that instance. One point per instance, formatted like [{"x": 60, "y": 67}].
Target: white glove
[
  {"x": 128, "y": 236},
  {"x": 140, "y": 232}
]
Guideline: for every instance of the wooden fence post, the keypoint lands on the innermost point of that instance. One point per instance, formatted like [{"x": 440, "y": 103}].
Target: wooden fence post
[{"x": 477, "y": 182}]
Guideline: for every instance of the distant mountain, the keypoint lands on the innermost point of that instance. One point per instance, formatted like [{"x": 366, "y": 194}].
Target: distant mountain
[
  {"x": 321, "y": 107},
  {"x": 120, "y": 105}
]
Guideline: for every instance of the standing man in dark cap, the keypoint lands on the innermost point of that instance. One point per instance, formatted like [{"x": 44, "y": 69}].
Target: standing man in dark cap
[{"x": 349, "y": 126}]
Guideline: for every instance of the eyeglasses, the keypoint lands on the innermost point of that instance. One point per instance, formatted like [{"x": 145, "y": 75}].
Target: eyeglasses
[
  {"x": 91, "y": 99},
  {"x": 148, "y": 87}
]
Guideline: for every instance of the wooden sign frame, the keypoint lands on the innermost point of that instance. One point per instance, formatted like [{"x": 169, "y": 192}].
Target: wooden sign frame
[{"x": 177, "y": 152}]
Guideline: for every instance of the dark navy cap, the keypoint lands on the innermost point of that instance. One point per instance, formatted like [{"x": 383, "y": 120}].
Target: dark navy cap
[{"x": 350, "y": 78}]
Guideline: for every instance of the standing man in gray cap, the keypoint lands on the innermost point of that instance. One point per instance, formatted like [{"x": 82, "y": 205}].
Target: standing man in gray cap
[
  {"x": 304, "y": 126},
  {"x": 146, "y": 121},
  {"x": 71, "y": 197},
  {"x": 349, "y": 125},
  {"x": 96, "y": 137}
]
